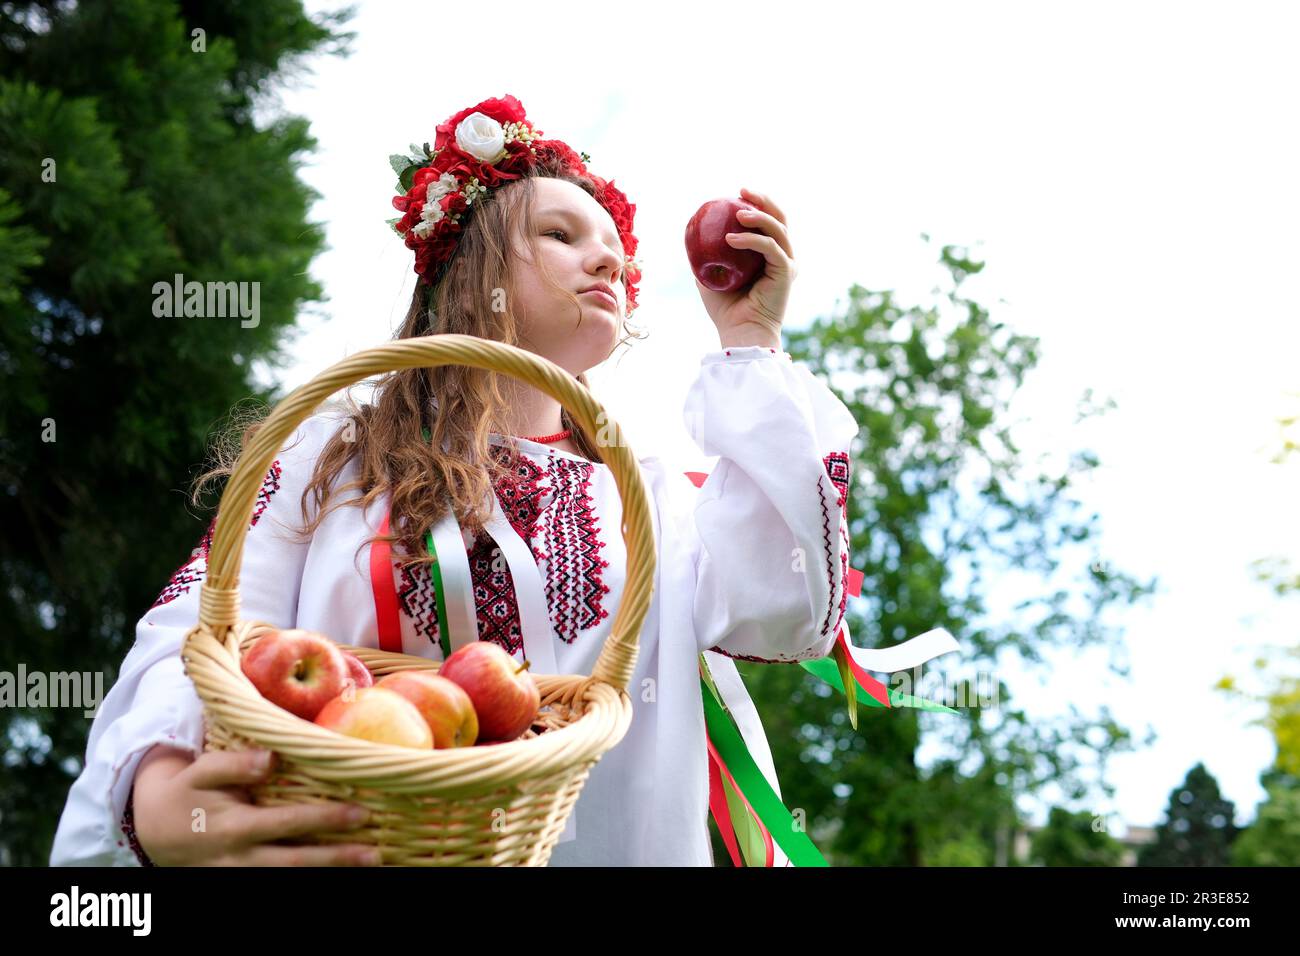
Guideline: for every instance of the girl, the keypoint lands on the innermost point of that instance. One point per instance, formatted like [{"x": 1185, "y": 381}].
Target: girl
[{"x": 514, "y": 241}]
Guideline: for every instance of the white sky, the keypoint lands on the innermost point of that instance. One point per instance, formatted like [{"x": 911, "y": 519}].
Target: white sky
[{"x": 1127, "y": 171}]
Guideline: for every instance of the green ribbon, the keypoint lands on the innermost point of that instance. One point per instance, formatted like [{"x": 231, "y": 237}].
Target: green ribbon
[
  {"x": 730, "y": 746},
  {"x": 827, "y": 670},
  {"x": 749, "y": 837},
  {"x": 435, "y": 572}
]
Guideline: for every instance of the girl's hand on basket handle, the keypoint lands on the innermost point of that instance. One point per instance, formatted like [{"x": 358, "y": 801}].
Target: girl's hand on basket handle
[{"x": 170, "y": 785}]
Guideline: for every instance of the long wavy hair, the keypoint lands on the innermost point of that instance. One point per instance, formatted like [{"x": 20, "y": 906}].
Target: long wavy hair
[{"x": 458, "y": 404}]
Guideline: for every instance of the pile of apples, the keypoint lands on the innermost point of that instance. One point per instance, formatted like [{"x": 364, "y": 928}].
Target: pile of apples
[{"x": 479, "y": 695}]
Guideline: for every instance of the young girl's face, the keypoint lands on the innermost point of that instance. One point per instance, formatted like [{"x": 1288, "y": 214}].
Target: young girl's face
[{"x": 578, "y": 241}]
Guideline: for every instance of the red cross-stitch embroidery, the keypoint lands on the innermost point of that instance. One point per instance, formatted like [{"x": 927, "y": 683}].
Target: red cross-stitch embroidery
[
  {"x": 779, "y": 659},
  {"x": 128, "y": 828},
  {"x": 572, "y": 546},
  {"x": 569, "y": 533},
  {"x": 193, "y": 570},
  {"x": 417, "y": 598},
  {"x": 837, "y": 466},
  {"x": 494, "y": 596},
  {"x": 524, "y": 496}
]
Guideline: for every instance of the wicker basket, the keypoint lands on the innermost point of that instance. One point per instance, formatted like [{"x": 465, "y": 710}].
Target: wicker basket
[{"x": 488, "y": 805}]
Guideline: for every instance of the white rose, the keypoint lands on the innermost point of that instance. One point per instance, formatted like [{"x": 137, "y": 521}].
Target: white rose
[{"x": 481, "y": 137}]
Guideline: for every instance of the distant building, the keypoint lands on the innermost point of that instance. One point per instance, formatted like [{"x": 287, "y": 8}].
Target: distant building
[{"x": 1133, "y": 838}]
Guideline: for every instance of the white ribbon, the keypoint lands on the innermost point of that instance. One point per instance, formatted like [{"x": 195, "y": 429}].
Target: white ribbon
[
  {"x": 534, "y": 614},
  {"x": 901, "y": 657},
  {"x": 457, "y": 584},
  {"x": 462, "y": 612}
]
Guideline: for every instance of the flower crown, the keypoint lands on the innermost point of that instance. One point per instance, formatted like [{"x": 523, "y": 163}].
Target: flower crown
[{"x": 475, "y": 150}]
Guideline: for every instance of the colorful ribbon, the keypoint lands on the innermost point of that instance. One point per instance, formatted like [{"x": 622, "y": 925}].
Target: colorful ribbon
[
  {"x": 387, "y": 619},
  {"x": 735, "y": 765}
]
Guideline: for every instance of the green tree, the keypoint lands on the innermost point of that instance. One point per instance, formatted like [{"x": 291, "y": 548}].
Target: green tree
[
  {"x": 1273, "y": 838},
  {"x": 1198, "y": 829},
  {"x": 131, "y": 155},
  {"x": 942, "y": 501},
  {"x": 1071, "y": 839}
]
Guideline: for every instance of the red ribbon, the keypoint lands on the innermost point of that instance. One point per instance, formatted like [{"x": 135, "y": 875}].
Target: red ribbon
[
  {"x": 872, "y": 686},
  {"x": 381, "y": 582},
  {"x": 718, "y": 804},
  {"x": 716, "y": 767}
]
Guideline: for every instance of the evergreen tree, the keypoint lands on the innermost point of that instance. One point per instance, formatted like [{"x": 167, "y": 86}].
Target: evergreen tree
[
  {"x": 1198, "y": 829},
  {"x": 131, "y": 156}
]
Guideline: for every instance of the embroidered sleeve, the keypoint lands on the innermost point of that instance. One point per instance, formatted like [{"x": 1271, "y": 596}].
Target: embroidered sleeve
[
  {"x": 770, "y": 522},
  {"x": 128, "y": 828},
  {"x": 153, "y": 701}
]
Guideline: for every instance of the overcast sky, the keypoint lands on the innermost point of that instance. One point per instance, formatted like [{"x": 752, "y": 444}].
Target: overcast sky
[{"x": 1127, "y": 171}]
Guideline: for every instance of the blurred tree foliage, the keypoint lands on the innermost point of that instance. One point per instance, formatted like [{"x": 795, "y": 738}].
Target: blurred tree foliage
[
  {"x": 134, "y": 149},
  {"x": 1273, "y": 838},
  {"x": 942, "y": 503},
  {"x": 1073, "y": 839}
]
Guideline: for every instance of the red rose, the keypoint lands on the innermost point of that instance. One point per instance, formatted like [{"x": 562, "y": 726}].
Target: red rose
[
  {"x": 424, "y": 258},
  {"x": 491, "y": 176},
  {"x": 622, "y": 211},
  {"x": 422, "y": 177},
  {"x": 561, "y": 150}
]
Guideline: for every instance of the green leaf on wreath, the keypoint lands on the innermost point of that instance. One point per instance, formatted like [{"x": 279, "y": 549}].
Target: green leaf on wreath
[{"x": 407, "y": 175}]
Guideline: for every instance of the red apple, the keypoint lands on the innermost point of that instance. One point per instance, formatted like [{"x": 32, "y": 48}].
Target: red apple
[
  {"x": 504, "y": 694},
  {"x": 358, "y": 671},
  {"x": 718, "y": 264},
  {"x": 298, "y": 670},
  {"x": 378, "y": 714},
  {"x": 443, "y": 704}
]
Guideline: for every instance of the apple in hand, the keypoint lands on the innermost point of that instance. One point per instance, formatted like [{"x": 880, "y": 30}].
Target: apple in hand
[
  {"x": 377, "y": 714},
  {"x": 718, "y": 264},
  {"x": 504, "y": 694},
  {"x": 443, "y": 704},
  {"x": 298, "y": 670}
]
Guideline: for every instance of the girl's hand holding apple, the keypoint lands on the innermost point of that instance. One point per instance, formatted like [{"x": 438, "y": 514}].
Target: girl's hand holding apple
[
  {"x": 170, "y": 786},
  {"x": 751, "y": 314}
]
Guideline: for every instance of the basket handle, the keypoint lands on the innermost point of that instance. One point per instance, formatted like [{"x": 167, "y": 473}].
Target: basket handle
[{"x": 219, "y": 597}]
